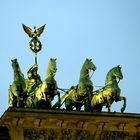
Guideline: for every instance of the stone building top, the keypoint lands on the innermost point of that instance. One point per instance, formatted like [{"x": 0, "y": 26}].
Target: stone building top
[{"x": 27, "y": 123}]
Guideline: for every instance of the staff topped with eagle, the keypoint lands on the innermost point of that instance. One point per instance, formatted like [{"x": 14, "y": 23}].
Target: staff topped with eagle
[{"x": 35, "y": 44}]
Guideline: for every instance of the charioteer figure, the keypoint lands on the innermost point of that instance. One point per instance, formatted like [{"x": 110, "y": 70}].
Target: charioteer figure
[{"x": 33, "y": 82}]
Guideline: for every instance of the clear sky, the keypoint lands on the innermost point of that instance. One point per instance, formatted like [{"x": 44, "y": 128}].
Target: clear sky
[{"x": 107, "y": 31}]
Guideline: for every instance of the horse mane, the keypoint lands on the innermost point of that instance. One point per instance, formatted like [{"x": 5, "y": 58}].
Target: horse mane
[
  {"x": 17, "y": 71},
  {"x": 51, "y": 68},
  {"x": 110, "y": 74}
]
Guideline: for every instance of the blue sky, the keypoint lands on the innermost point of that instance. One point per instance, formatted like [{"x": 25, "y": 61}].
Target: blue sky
[{"x": 107, "y": 31}]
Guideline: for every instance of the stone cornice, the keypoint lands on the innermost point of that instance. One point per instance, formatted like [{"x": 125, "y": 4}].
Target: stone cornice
[{"x": 62, "y": 119}]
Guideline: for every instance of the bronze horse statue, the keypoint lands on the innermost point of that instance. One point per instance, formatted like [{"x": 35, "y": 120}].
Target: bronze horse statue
[
  {"x": 78, "y": 95},
  {"x": 45, "y": 93},
  {"x": 17, "y": 91},
  {"x": 110, "y": 93}
]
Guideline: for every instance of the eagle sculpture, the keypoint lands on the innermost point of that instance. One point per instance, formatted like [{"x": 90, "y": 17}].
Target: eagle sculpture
[{"x": 33, "y": 34}]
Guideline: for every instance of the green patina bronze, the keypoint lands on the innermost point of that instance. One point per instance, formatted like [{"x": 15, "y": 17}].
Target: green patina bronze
[
  {"x": 34, "y": 44},
  {"x": 110, "y": 93},
  {"x": 32, "y": 83},
  {"x": 33, "y": 93},
  {"x": 48, "y": 89},
  {"x": 78, "y": 95},
  {"x": 17, "y": 91}
]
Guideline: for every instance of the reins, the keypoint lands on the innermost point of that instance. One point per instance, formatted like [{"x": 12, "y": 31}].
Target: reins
[{"x": 64, "y": 90}]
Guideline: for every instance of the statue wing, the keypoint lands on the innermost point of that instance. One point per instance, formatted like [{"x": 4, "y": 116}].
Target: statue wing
[
  {"x": 40, "y": 30},
  {"x": 28, "y": 30}
]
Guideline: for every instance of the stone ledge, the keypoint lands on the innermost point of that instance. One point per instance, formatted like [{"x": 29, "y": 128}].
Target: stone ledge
[
  {"x": 27, "y": 124},
  {"x": 71, "y": 119},
  {"x": 61, "y": 111}
]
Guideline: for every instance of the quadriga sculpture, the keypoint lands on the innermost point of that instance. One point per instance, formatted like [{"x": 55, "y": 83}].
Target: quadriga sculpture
[
  {"x": 76, "y": 96},
  {"x": 17, "y": 91},
  {"x": 110, "y": 93},
  {"x": 48, "y": 89}
]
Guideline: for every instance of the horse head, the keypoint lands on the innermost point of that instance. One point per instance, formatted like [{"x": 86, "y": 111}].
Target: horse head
[
  {"x": 114, "y": 74},
  {"x": 89, "y": 65},
  {"x": 52, "y": 68},
  {"x": 16, "y": 68},
  {"x": 15, "y": 65},
  {"x": 118, "y": 72}
]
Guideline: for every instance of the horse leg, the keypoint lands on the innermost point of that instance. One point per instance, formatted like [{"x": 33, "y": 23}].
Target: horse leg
[
  {"x": 109, "y": 108},
  {"x": 48, "y": 103},
  {"x": 78, "y": 107},
  {"x": 124, "y": 102},
  {"x": 29, "y": 102},
  {"x": 87, "y": 105},
  {"x": 19, "y": 99},
  {"x": 93, "y": 104},
  {"x": 108, "y": 104},
  {"x": 97, "y": 108},
  {"x": 11, "y": 98},
  {"x": 58, "y": 94},
  {"x": 68, "y": 104}
]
